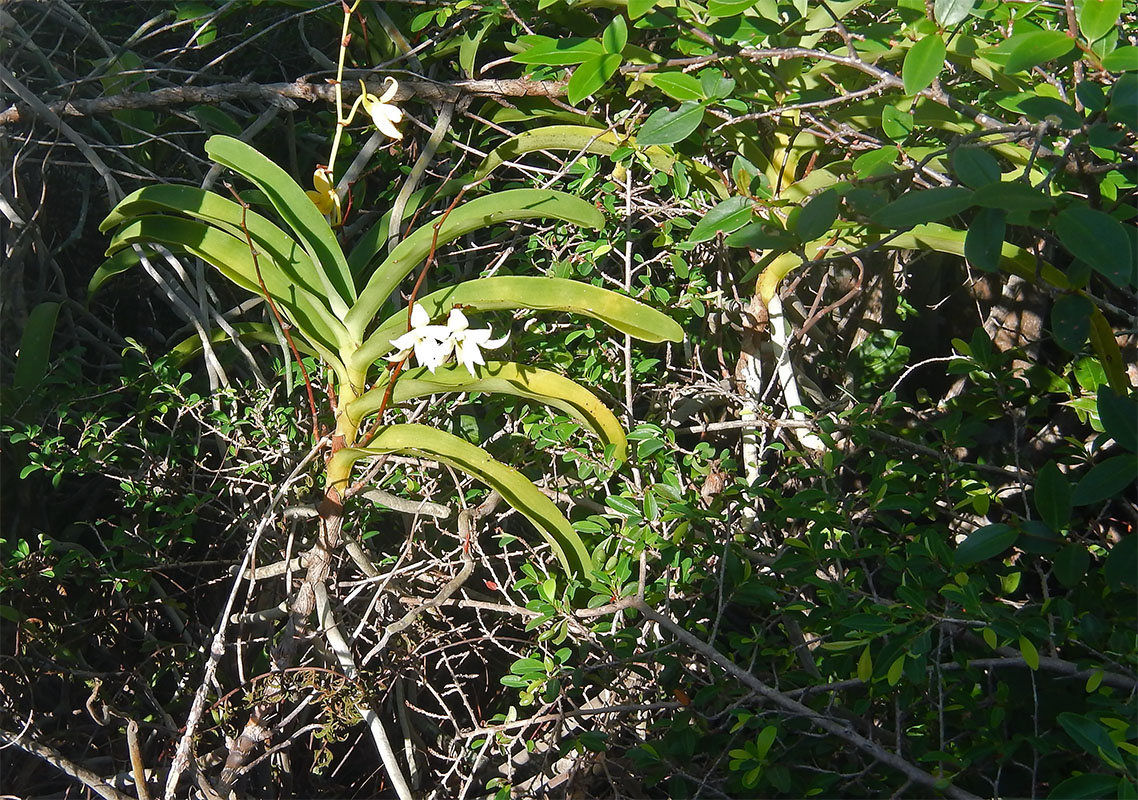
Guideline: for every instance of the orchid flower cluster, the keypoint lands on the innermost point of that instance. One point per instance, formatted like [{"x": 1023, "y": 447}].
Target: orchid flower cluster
[
  {"x": 434, "y": 344},
  {"x": 385, "y": 115}
]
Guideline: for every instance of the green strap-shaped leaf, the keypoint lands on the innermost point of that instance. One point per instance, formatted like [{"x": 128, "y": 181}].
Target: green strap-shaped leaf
[
  {"x": 530, "y": 383},
  {"x": 227, "y": 215},
  {"x": 536, "y": 293},
  {"x": 246, "y": 331},
  {"x": 117, "y": 264},
  {"x": 515, "y": 488},
  {"x": 35, "y": 351},
  {"x": 232, "y": 258},
  {"x": 583, "y": 139},
  {"x": 509, "y": 206},
  {"x": 298, "y": 212}
]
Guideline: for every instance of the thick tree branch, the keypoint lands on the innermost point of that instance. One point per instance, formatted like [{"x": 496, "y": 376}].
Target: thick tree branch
[{"x": 284, "y": 94}]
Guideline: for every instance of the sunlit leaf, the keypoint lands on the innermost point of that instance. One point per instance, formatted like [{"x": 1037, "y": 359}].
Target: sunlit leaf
[
  {"x": 515, "y": 488},
  {"x": 530, "y": 383},
  {"x": 923, "y": 63}
]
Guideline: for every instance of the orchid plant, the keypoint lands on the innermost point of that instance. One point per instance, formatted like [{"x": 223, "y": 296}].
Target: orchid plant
[{"x": 337, "y": 307}]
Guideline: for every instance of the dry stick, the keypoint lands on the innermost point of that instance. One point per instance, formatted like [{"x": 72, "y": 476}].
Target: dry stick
[
  {"x": 31, "y": 107},
  {"x": 284, "y": 326},
  {"x": 868, "y": 746},
  {"x": 85, "y": 776},
  {"x": 217, "y": 646}
]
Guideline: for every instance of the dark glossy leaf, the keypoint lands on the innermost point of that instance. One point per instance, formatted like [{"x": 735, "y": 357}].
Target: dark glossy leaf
[
  {"x": 1121, "y": 567},
  {"x": 924, "y": 205},
  {"x": 760, "y": 236},
  {"x": 1119, "y": 417},
  {"x": 984, "y": 543},
  {"x": 1088, "y": 786},
  {"x": 985, "y": 239},
  {"x": 1106, "y": 479},
  {"x": 1091, "y": 95},
  {"x": 1091, "y": 736},
  {"x": 1071, "y": 564},
  {"x": 1071, "y": 321},
  {"x": 669, "y": 127},
  {"x": 1053, "y": 110},
  {"x": 923, "y": 63},
  {"x": 1098, "y": 239},
  {"x": 975, "y": 166},
  {"x": 817, "y": 216},
  {"x": 1053, "y": 496}
]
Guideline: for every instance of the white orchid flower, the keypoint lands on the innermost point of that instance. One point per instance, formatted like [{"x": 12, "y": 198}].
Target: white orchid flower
[
  {"x": 468, "y": 342},
  {"x": 384, "y": 114},
  {"x": 430, "y": 343}
]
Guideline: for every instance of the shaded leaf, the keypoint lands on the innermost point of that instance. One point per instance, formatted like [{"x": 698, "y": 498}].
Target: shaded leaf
[
  {"x": 985, "y": 239},
  {"x": 1119, "y": 417},
  {"x": 1071, "y": 564},
  {"x": 1098, "y": 239},
  {"x": 923, "y": 205},
  {"x": 1011, "y": 196},
  {"x": 1106, "y": 479},
  {"x": 986, "y": 542},
  {"x": 1071, "y": 321},
  {"x": 975, "y": 166},
  {"x": 35, "y": 351},
  {"x": 817, "y": 216},
  {"x": 1053, "y": 496}
]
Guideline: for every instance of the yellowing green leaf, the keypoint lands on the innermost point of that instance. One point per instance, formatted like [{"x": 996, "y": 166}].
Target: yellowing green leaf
[{"x": 1029, "y": 653}]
